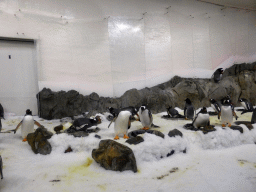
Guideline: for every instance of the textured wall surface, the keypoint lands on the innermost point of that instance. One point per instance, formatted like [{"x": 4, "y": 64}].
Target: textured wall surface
[{"x": 111, "y": 46}]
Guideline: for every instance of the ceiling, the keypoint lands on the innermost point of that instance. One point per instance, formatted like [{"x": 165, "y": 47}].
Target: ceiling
[{"x": 242, "y": 4}]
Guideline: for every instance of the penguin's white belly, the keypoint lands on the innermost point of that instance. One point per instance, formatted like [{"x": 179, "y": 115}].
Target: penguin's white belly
[
  {"x": 121, "y": 122},
  {"x": 27, "y": 126},
  {"x": 146, "y": 121},
  {"x": 226, "y": 114},
  {"x": 244, "y": 105},
  {"x": 201, "y": 120}
]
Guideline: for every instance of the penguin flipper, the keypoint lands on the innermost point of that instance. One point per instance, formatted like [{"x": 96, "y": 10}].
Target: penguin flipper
[
  {"x": 17, "y": 127},
  {"x": 112, "y": 121},
  {"x": 38, "y": 124}
]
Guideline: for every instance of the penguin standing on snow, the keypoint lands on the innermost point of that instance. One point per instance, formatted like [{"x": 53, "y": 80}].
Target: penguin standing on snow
[
  {"x": 216, "y": 106},
  {"x": 27, "y": 125},
  {"x": 146, "y": 117},
  {"x": 217, "y": 75},
  {"x": 202, "y": 119},
  {"x": 122, "y": 124},
  {"x": 246, "y": 104},
  {"x": 1, "y": 167},
  {"x": 227, "y": 112},
  {"x": 189, "y": 110},
  {"x": 1, "y": 115}
]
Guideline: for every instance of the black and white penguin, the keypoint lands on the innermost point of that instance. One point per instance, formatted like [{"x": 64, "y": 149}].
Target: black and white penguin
[
  {"x": 1, "y": 167},
  {"x": 189, "y": 110},
  {"x": 146, "y": 117},
  {"x": 115, "y": 112},
  {"x": 246, "y": 104},
  {"x": 172, "y": 112},
  {"x": 1, "y": 115},
  {"x": 27, "y": 125},
  {"x": 253, "y": 120},
  {"x": 216, "y": 106},
  {"x": 201, "y": 119},
  {"x": 227, "y": 113},
  {"x": 217, "y": 75},
  {"x": 83, "y": 123},
  {"x": 122, "y": 124}
]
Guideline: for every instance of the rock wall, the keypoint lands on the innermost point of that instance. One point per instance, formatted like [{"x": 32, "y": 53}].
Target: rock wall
[{"x": 238, "y": 81}]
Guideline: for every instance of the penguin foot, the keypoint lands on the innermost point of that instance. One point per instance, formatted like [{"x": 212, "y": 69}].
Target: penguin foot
[
  {"x": 229, "y": 125},
  {"x": 126, "y": 137},
  {"x": 24, "y": 140},
  {"x": 116, "y": 137},
  {"x": 223, "y": 125},
  {"x": 145, "y": 128}
]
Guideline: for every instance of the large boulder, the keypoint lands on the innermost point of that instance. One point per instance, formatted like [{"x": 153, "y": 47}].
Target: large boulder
[
  {"x": 38, "y": 141},
  {"x": 114, "y": 156}
]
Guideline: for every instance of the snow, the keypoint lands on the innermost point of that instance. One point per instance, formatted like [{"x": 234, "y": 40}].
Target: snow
[{"x": 224, "y": 160}]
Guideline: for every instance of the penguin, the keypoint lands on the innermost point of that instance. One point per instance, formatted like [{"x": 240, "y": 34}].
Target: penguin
[
  {"x": 189, "y": 110},
  {"x": 146, "y": 118},
  {"x": 1, "y": 167},
  {"x": 27, "y": 125},
  {"x": 83, "y": 123},
  {"x": 122, "y": 124},
  {"x": 201, "y": 119},
  {"x": 217, "y": 75},
  {"x": 227, "y": 113},
  {"x": 173, "y": 112},
  {"x": 216, "y": 106},
  {"x": 115, "y": 112},
  {"x": 1, "y": 115},
  {"x": 253, "y": 120},
  {"x": 246, "y": 104}
]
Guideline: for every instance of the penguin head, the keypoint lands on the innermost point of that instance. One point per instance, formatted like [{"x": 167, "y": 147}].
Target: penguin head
[
  {"x": 143, "y": 107},
  {"x": 226, "y": 102},
  {"x": 241, "y": 100},
  {"x": 203, "y": 110},
  {"x": 220, "y": 70},
  {"x": 212, "y": 100},
  {"x": 168, "y": 107},
  {"x": 188, "y": 101},
  {"x": 28, "y": 112}
]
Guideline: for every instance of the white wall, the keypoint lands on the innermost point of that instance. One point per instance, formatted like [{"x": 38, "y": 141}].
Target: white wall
[{"x": 105, "y": 46}]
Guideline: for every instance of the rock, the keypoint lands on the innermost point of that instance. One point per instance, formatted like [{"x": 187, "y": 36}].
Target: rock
[
  {"x": 94, "y": 96},
  {"x": 175, "y": 132},
  {"x": 135, "y": 140},
  {"x": 248, "y": 124},
  {"x": 112, "y": 155},
  {"x": 38, "y": 141},
  {"x": 79, "y": 134},
  {"x": 141, "y": 131},
  {"x": 68, "y": 150},
  {"x": 58, "y": 128},
  {"x": 238, "y": 128}
]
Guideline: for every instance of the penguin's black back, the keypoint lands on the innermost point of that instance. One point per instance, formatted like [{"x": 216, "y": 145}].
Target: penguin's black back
[{"x": 1, "y": 111}]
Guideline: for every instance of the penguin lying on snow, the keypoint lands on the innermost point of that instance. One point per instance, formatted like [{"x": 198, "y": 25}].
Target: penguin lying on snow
[
  {"x": 201, "y": 119},
  {"x": 217, "y": 75},
  {"x": 83, "y": 123},
  {"x": 122, "y": 124},
  {"x": 146, "y": 118},
  {"x": 1, "y": 115},
  {"x": 227, "y": 112},
  {"x": 189, "y": 110},
  {"x": 173, "y": 112},
  {"x": 248, "y": 107},
  {"x": 27, "y": 125}
]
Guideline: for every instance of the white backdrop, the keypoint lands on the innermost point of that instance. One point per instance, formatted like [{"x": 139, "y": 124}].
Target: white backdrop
[{"x": 111, "y": 46}]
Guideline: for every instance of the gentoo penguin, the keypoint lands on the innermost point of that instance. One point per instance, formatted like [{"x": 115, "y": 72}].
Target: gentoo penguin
[
  {"x": 146, "y": 117},
  {"x": 246, "y": 104},
  {"x": 122, "y": 124},
  {"x": 201, "y": 119},
  {"x": 253, "y": 120},
  {"x": 83, "y": 123},
  {"x": 216, "y": 106},
  {"x": 1, "y": 115},
  {"x": 27, "y": 125},
  {"x": 115, "y": 112},
  {"x": 189, "y": 110},
  {"x": 172, "y": 112},
  {"x": 217, "y": 75},
  {"x": 1, "y": 167},
  {"x": 227, "y": 113}
]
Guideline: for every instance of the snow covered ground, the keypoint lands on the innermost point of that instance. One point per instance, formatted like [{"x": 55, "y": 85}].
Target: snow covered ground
[{"x": 224, "y": 160}]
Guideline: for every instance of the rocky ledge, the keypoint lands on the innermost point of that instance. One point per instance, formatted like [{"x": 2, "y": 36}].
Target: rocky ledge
[{"x": 237, "y": 81}]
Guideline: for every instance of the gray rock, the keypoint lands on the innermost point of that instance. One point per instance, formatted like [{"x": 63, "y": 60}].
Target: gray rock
[
  {"x": 175, "y": 132},
  {"x": 38, "y": 141},
  {"x": 135, "y": 140},
  {"x": 112, "y": 155}
]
